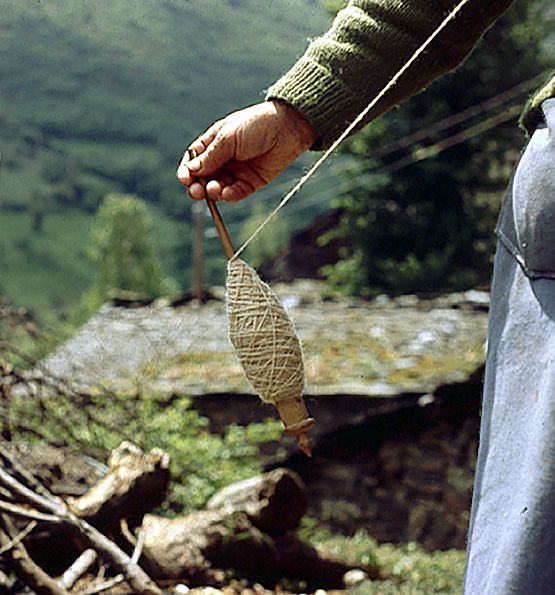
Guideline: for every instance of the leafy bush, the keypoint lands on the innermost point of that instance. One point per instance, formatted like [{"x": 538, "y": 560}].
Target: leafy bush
[{"x": 201, "y": 462}]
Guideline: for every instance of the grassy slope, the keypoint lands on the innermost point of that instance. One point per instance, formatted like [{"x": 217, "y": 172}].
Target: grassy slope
[
  {"x": 48, "y": 271},
  {"x": 96, "y": 96}
]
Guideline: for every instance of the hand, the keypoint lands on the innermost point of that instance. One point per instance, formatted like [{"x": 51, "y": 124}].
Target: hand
[{"x": 245, "y": 151}]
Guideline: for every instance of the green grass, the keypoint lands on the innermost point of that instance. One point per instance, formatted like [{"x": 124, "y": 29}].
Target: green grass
[
  {"x": 48, "y": 271},
  {"x": 403, "y": 570},
  {"x": 201, "y": 462},
  {"x": 104, "y": 100}
]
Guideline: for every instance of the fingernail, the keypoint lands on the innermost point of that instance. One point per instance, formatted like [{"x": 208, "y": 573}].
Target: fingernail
[{"x": 193, "y": 165}]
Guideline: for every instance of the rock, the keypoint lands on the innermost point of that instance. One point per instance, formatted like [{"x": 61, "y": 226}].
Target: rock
[
  {"x": 377, "y": 348},
  {"x": 354, "y": 577}
]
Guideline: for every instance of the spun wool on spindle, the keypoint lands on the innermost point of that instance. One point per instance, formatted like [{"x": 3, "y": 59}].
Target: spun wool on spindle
[{"x": 263, "y": 335}]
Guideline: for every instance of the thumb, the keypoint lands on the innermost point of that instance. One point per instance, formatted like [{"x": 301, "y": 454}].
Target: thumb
[{"x": 216, "y": 155}]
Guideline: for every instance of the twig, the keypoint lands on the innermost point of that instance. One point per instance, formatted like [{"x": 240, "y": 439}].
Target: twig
[
  {"x": 105, "y": 585},
  {"x": 30, "y": 480},
  {"x": 29, "y": 514},
  {"x": 26, "y": 570},
  {"x": 138, "y": 547},
  {"x": 134, "y": 574},
  {"x": 126, "y": 532},
  {"x": 18, "y": 538},
  {"x": 78, "y": 568},
  {"x": 137, "y": 578},
  {"x": 48, "y": 503}
]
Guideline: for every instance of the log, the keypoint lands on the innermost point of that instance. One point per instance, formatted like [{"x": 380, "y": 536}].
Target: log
[
  {"x": 179, "y": 548},
  {"x": 136, "y": 483},
  {"x": 248, "y": 527},
  {"x": 196, "y": 547},
  {"x": 275, "y": 502}
]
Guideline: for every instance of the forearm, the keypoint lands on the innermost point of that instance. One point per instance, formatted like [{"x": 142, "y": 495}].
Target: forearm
[{"x": 370, "y": 40}]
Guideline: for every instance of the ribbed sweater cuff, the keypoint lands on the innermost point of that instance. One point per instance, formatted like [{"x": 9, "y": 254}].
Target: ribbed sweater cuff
[{"x": 318, "y": 96}]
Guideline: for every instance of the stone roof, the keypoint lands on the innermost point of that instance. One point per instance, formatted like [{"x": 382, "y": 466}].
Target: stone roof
[{"x": 383, "y": 347}]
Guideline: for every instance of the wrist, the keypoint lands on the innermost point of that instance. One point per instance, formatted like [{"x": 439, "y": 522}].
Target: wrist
[{"x": 296, "y": 124}]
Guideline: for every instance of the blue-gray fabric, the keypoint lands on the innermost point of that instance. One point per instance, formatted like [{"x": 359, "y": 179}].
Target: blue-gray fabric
[{"x": 511, "y": 541}]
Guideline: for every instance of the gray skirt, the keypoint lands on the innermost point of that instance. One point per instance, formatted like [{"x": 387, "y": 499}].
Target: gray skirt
[{"x": 511, "y": 541}]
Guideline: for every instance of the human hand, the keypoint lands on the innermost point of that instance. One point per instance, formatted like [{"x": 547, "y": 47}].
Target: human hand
[{"x": 245, "y": 151}]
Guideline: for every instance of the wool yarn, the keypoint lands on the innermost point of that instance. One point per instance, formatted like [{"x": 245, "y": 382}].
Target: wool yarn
[{"x": 263, "y": 336}]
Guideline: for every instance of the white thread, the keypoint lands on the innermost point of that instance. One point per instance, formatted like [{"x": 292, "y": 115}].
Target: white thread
[
  {"x": 263, "y": 336},
  {"x": 353, "y": 125}
]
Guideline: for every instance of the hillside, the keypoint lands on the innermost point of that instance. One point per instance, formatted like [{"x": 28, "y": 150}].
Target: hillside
[{"x": 95, "y": 97}]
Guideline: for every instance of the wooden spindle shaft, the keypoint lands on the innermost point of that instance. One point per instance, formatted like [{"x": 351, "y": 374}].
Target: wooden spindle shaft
[
  {"x": 221, "y": 229},
  {"x": 217, "y": 218}
]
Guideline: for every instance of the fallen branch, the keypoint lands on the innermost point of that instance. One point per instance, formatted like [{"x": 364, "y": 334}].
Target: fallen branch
[
  {"x": 138, "y": 547},
  {"x": 78, "y": 568},
  {"x": 28, "y": 514},
  {"x": 18, "y": 538},
  {"x": 248, "y": 527},
  {"x": 275, "y": 502},
  {"x": 136, "y": 483},
  {"x": 24, "y": 568},
  {"x": 29, "y": 479},
  {"x": 48, "y": 503},
  {"x": 138, "y": 580}
]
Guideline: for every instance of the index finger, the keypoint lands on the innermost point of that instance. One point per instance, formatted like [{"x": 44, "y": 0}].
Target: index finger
[{"x": 199, "y": 145}]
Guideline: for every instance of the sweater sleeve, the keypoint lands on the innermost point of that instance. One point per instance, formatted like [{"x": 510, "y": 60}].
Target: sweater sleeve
[{"x": 369, "y": 41}]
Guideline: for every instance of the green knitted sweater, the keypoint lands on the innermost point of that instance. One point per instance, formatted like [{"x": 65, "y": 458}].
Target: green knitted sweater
[{"x": 369, "y": 41}]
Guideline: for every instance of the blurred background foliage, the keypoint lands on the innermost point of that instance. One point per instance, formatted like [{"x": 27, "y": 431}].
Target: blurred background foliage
[
  {"x": 105, "y": 98},
  {"x": 124, "y": 254},
  {"x": 422, "y": 198},
  {"x": 98, "y": 98}
]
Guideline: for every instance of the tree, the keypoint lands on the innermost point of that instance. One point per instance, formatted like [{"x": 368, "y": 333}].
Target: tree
[
  {"x": 123, "y": 250},
  {"x": 420, "y": 216}
]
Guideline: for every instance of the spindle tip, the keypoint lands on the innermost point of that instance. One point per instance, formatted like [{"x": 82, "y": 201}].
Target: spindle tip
[
  {"x": 305, "y": 445},
  {"x": 297, "y": 422}
]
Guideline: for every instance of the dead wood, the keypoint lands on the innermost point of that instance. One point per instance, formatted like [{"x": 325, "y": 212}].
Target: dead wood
[
  {"x": 193, "y": 548},
  {"x": 178, "y": 548},
  {"x": 61, "y": 470},
  {"x": 78, "y": 568},
  {"x": 275, "y": 502},
  {"x": 136, "y": 483},
  {"x": 248, "y": 526},
  {"x": 18, "y": 560},
  {"x": 138, "y": 580}
]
